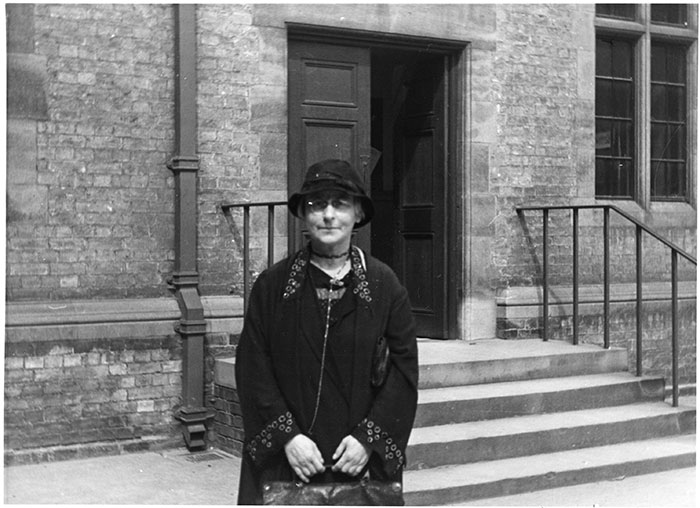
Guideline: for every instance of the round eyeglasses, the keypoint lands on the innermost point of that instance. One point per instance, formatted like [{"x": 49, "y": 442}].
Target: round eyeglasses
[{"x": 319, "y": 205}]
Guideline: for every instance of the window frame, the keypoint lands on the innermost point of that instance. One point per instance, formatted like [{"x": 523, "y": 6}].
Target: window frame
[
  {"x": 641, "y": 32},
  {"x": 633, "y": 118}
]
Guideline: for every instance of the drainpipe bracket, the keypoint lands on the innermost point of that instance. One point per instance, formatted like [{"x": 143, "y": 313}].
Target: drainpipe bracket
[
  {"x": 184, "y": 279},
  {"x": 189, "y": 327},
  {"x": 180, "y": 163}
]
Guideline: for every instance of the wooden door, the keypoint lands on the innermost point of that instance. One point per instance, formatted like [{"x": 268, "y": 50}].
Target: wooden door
[
  {"x": 329, "y": 114},
  {"x": 421, "y": 173}
]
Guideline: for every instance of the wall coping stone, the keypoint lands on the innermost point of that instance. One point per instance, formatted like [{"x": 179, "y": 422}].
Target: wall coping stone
[
  {"x": 526, "y": 302},
  {"x": 528, "y": 295},
  {"x": 103, "y": 319}
]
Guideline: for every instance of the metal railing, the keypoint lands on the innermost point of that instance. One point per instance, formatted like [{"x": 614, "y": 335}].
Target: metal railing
[
  {"x": 227, "y": 208},
  {"x": 639, "y": 230}
]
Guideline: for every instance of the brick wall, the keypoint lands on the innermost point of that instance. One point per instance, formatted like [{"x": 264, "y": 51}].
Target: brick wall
[
  {"x": 228, "y": 420},
  {"x": 91, "y": 208},
  {"x": 656, "y": 337},
  {"x": 243, "y": 141},
  {"x": 82, "y": 378},
  {"x": 222, "y": 400},
  {"x": 63, "y": 393},
  {"x": 543, "y": 72},
  {"x": 544, "y": 118},
  {"x": 91, "y": 130},
  {"x": 656, "y": 257},
  {"x": 90, "y": 199},
  {"x": 520, "y": 316},
  {"x": 90, "y": 211}
]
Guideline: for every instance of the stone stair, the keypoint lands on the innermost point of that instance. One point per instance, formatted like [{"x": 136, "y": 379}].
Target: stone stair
[{"x": 500, "y": 417}]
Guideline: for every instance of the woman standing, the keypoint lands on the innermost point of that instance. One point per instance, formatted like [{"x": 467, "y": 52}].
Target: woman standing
[{"x": 313, "y": 386}]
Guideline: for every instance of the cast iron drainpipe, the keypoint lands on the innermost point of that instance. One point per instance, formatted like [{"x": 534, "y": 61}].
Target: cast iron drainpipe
[{"x": 184, "y": 164}]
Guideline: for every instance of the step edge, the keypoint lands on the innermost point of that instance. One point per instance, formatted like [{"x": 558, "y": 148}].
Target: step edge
[
  {"x": 681, "y": 449},
  {"x": 520, "y": 485},
  {"x": 437, "y": 375},
  {"x": 574, "y": 353},
  {"x": 456, "y": 427},
  {"x": 538, "y": 385},
  {"x": 454, "y": 411}
]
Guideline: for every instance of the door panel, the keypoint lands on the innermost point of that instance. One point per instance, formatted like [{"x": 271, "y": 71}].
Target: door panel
[
  {"x": 319, "y": 136},
  {"x": 421, "y": 171},
  {"x": 422, "y": 295},
  {"x": 329, "y": 114}
]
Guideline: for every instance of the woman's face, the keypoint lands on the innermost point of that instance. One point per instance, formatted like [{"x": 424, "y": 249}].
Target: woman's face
[{"x": 330, "y": 217}]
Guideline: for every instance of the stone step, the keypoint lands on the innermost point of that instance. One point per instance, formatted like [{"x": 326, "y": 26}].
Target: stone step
[
  {"x": 441, "y": 406},
  {"x": 460, "y": 443},
  {"x": 461, "y": 483},
  {"x": 454, "y": 363},
  {"x": 446, "y": 363}
]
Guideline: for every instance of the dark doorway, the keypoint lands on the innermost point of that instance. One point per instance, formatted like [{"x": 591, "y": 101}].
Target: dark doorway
[
  {"x": 385, "y": 108},
  {"x": 409, "y": 180}
]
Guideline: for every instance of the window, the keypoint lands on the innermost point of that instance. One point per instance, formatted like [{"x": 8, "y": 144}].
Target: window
[
  {"x": 622, "y": 11},
  {"x": 644, "y": 143},
  {"x": 614, "y": 119},
  {"x": 672, "y": 14},
  {"x": 668, "y": 122}
]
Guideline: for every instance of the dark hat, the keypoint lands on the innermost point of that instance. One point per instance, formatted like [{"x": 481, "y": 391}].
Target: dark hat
[{"x": 336, "y": 175}]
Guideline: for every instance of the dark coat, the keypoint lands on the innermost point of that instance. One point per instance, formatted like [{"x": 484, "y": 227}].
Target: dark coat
[{"x": 268, "y": 357}]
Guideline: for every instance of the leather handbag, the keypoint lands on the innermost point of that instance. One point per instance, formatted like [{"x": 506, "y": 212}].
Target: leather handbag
[{"x": 364, "y": 492}]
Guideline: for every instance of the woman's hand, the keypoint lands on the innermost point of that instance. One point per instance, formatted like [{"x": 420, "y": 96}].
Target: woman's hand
[
  {"x": 304, "y": 457},
  {"x": 351, "y": 456}
]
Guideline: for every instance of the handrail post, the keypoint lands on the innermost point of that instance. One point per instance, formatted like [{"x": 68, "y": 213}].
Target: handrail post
[
  {"x": 606, "y": 278},
  {"x": 545, "y": 285},
  {"x": 674, "y": 325},
  {"x": 676, "y": 251},
  {"x": 245, "y": 248},
  {"x": 575, "y": 281},
  {"x": 246, "y": 255},
  {"x": 270, "y": 235},
  {"x": 639, "y": 299}
]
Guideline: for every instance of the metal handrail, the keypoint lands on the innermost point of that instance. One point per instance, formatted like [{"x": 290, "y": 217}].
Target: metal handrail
[
  {"x": 639, "y": 229},
  {"x": 227, "y": 209}
]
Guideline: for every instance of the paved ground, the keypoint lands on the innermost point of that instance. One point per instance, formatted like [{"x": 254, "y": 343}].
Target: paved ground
[
  {"x": 173, "y": 477},
  {"x": 168, "y": 477},
  {"x": 668, "y": 489}
]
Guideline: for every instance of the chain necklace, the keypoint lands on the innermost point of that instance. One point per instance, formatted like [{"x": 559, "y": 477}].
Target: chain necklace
[{"x": 333, "y": 282}]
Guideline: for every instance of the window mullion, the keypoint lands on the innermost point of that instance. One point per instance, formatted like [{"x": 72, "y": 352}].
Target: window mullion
[
  {"x": 643, "y": 115},
  {"x": 692, "y": 118}
]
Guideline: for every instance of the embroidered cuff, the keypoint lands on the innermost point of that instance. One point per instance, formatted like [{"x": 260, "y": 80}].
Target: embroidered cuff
[
  {"x": 273, "y": 437},
  {"x": 380, "y": 442}
]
